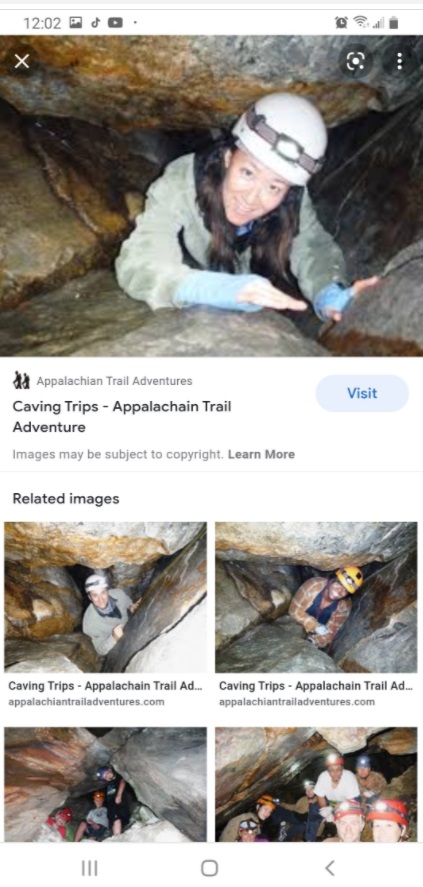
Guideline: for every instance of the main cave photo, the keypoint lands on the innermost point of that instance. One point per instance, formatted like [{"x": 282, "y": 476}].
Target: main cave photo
[
  {"x": 270, "y": 582},
  {"x": 278, "y": 762},
  {"x": 50, "y": 770},
  {"x": 98, "y": 119},
  {"x": 155, "y": 573}
]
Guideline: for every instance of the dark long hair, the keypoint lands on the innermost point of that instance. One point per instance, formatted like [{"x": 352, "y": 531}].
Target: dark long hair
[{"x": 271, "y": 237}]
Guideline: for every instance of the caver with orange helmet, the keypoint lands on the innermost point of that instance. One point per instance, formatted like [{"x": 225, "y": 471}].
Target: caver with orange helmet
[
  {"x": 389, "y": 818},
  {"x": 321, "y": 605},
  {"x": 265, "y": 806},
  {"x": 233, "y": 219}
]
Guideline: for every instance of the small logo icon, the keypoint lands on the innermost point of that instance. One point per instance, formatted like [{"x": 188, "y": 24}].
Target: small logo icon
[
  {"x": 95, "y": 23},
  {"x": 355, "y": 61},
  {"x": 115, "y": 22},
  {"x": 380, "y": 23},
  {"x": 75, "y": 21},
  {"x": 22, "y": 61},
  {"x": 362, "y": 21},
  {"x": 341, "y": 22},
  {"x": 21, "y": 381}
]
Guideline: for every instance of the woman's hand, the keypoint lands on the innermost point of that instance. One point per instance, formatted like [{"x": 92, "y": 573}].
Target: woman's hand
[
  {"x": 261, "y": 292},
  {"x": 357, "y": 288}
]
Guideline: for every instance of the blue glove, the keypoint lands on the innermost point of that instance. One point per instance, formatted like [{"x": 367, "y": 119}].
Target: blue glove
[
  {"x": 215, "y": 289},
  {"x": 335, "y": 297}
]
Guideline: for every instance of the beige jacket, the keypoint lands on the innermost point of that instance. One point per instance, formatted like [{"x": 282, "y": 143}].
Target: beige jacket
[{"x": 151, "y": 265}]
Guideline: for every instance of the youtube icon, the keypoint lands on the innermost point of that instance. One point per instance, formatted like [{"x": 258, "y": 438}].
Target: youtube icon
[{"x": 115, "y": 22}]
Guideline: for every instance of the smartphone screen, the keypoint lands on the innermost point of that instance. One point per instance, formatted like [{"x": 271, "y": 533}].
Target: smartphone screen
[{"x": 211, "y": 265}]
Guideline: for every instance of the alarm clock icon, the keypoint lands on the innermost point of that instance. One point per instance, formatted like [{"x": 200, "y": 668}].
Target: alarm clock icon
[{"x": 341, "y": 22}]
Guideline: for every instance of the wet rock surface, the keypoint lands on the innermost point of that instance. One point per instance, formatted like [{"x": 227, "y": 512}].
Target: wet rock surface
[
  {"x": 381, "y": 633},
  {"x": 276, "y": 760},
  {"x": 167, "y": 769},
  {"x": 275, "y": 647},
  {"x": 168, "y": 600}
]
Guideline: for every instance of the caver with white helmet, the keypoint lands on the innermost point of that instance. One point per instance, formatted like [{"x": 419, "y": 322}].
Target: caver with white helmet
[
  {"x": 233, "y": 226},
  {"x": 286, "y": 133},
  {"x": 107, "y": 614}
]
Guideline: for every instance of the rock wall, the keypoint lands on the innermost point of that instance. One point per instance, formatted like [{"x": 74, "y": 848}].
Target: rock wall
[
  {"x": 40, "y": 602},
  {"x": 167, "y": 602},
  {"x": 325, "y": 545}
]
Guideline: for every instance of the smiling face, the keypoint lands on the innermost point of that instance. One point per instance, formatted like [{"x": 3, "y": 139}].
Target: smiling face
[
  {"x": 336, "y": 591},
  {"x": 100, "y": 597},
  {"x": 363, "y": 772},
  {"x": 386, "y": 832},
  {"x": 250, "y": 190},
  {"x": 349, "y": 828},
  {"x": 61, "y": 819}
]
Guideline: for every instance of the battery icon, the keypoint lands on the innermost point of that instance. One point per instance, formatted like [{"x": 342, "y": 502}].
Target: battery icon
[{"x": 393, "y": 23}]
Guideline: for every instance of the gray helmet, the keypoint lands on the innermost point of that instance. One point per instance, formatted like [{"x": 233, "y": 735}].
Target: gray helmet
[{"x": 95, "y": 582}]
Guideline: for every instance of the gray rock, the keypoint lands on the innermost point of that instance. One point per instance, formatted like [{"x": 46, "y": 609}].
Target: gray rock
[
  {"x": 72, "y": 652},
  {"x": 234, "y": 614},
  {"x": 275, "y": 647},
  {"x": 168, "y": 600},
  {"x": 179, "y": 650},
  {"x": 93, "y": 317},
  {"x": 387, "y": 320},
  {"x": 380, "y": 634},
  {"x": 167, "y": 770},
  {"x": 325, "y": 545},
  {"x": 156, "y": 833}
]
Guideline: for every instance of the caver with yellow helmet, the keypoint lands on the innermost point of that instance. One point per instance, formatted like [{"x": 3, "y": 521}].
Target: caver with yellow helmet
[
  {"x": 234, "y": 227},
  {"x": 322, "y": 605},
  {"x": 389, "y": 820}
]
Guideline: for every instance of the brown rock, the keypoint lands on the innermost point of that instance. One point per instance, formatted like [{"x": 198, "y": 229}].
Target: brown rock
[
  {"x": 40, "y": 766},
  {"x": 95, "y": 544},
  {"x": 399, "y": 741},
  {"x": 64, "y": 653},
  {"x": 40, "y": 602},
  {"x": 347, "y": 739},
  {"x": 182, "y": 81}
]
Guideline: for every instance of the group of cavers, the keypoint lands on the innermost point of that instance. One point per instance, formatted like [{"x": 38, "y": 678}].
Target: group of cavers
[
  {"x": 108, "y": 816},
  {"x": 346, "y": 799}
]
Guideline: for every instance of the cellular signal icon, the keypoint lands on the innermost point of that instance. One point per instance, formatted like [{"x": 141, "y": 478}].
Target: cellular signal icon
[
  {"x": 362, "y": 21},
  {"x": 380, "y": 23}
]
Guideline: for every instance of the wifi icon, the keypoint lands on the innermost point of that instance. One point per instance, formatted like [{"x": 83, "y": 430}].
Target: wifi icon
[{"x": 362, "y": 21}]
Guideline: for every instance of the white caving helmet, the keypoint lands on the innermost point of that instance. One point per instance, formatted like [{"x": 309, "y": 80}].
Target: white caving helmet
[{"x": 286, "y": 133}]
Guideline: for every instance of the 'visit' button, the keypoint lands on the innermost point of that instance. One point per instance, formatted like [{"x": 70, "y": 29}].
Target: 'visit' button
[{"x": 362, "y": 394}]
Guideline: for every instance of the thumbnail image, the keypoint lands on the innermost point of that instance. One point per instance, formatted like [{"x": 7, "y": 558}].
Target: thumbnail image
[
  {"x": 111, "y": 597},
  {"x": 316, "y": 784},
  {"x": 316, "y": 597},
  {"x": 136, "y": 785},
  {"x": 212, "y": 196}
]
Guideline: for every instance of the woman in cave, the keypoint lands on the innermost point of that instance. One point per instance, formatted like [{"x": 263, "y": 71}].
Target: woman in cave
[{"x": 232, "y": 227}]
